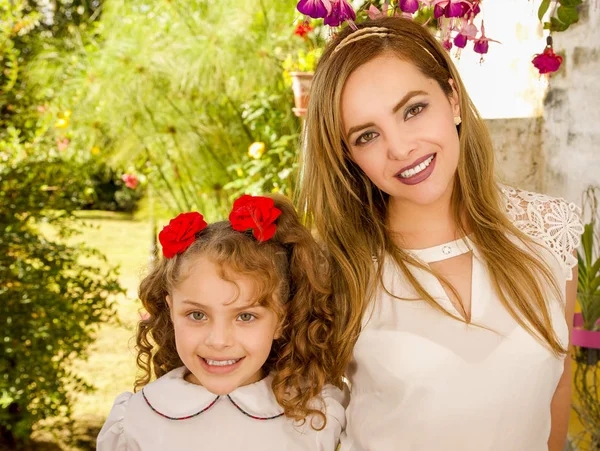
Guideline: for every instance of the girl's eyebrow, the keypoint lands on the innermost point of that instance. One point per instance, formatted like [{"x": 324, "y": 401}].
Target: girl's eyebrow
[
  {"x": 409, "y": 95},
  {"x": 240, "y": 308}
]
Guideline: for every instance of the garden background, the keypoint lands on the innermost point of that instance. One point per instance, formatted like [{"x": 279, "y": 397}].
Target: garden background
[{"x": 117, "y": 114}]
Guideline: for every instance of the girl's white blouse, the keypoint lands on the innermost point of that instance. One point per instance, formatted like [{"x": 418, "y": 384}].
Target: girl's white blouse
[
  {"x": 138, "y": 421},
  {"x": 421, "y": 380}
]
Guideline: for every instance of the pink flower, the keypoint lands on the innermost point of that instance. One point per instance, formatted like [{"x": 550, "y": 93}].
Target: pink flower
[
  {"x": 451, "y": 8},
  {"x": 456, "y": 8},
  {"x": 468, "y": 31},
  {"x": 482, "y": 43},
  {"x": 317, "y": 9},
  {"x": 547, "y": 62},
  {"x": 374, "y": 13},
  {"x": 131, "y": 181},
  {"x": 460, "y": 40},
  {"x": 447, "y": 44},
  {"x": 341, "y": 12},
  {"x": 409, "y": 6},
  {"x": 62, "y": 144}
]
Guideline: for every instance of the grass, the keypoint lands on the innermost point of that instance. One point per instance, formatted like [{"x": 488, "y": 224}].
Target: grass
[{"x": 111, "y": 364}]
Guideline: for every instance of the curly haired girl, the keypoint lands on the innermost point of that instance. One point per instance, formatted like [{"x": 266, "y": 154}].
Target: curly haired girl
[{"x": 237, "y": 335}]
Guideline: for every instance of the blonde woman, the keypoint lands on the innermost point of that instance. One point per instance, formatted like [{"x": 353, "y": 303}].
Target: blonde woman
[{"x": 454, "y": 294}]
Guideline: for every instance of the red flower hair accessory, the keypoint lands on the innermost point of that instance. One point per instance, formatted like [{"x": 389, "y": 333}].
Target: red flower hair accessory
[
  {"x": 256, "y": 213},
  {"x": 181, "y": 231}
]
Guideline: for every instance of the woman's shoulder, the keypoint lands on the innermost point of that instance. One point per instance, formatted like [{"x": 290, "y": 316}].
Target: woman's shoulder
[{"x": 552, "y": 221}]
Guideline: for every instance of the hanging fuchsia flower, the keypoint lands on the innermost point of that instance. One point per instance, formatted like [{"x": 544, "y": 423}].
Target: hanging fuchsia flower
[
  {"x": 457, "y": 8},
  {"x": 482, "y": 43},
  {"x": 317, "y": 9},
  {"x": 374, "y": 13},
  {"x": 341, "y": 12},
  {"x": 474, "y": 9},
  {"x": 447, "y": 44},
  {"x": 468, "y": 31},
  {"x": 409, "y": 6},
  {"x": 460, "y": 40},
  {"x": 547, "y": 62},
  {"x": 438, "y": 10}
]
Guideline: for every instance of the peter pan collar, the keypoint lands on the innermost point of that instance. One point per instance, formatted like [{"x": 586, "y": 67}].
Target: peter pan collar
[{"x": 174, "y": 398}]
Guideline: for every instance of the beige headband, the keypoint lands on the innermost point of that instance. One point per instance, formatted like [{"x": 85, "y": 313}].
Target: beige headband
[{"x": 367, "y": 32}]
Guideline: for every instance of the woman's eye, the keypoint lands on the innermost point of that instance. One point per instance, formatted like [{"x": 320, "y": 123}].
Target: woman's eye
[
  {"x": 246, "y": 317},
  {"x": 197, "y": 316},
  {"x": 414, "y": 111},
  {"x": 365, "y": 138}
]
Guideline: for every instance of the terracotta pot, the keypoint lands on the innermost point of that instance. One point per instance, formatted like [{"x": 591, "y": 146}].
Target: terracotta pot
[{"x": 301, "y": 82}]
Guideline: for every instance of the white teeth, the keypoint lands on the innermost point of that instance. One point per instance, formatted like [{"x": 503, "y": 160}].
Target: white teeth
[
  {"x": 221, "y": 362},
  {"x": 418, "y": 168}
]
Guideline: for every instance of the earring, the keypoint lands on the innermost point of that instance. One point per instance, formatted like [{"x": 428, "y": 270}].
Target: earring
[{"x": 457, "y": 120}]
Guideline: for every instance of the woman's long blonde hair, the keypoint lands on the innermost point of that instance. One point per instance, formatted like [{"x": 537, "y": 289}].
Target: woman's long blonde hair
[
  {"x": 290, "y": 274},
  {"x": 350, "y": 212}
]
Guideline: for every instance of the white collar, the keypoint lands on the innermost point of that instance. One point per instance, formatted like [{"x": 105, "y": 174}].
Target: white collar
[{"x": 172, "y": 397}]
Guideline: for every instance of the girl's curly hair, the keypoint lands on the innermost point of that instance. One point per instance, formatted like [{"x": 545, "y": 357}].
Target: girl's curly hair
[{"x": 291, "y": 279}]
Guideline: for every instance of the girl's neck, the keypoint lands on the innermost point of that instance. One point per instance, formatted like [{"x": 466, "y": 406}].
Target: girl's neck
[{"x": 416, "y": 226}]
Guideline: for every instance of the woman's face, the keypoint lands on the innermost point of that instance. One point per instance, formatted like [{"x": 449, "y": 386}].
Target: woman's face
[{"x": 400, "y": 126}]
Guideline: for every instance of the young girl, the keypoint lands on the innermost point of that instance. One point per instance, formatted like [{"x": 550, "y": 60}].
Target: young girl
[
  {"x": 237, "y": 336},
  {"x": 454, "y": 294}
]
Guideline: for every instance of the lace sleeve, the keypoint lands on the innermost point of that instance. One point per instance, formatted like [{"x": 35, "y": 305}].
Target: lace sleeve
[{"x": 550, "y": 220}]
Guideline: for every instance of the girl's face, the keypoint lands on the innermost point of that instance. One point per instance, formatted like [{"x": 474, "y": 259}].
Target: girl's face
[
  {"x": 400, "y": 126},
  {"x": 221, "y": 337}
]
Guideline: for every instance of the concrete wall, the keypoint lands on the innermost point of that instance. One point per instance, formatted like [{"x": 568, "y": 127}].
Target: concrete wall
[
  {"x": 518, "y": 149},
  {"x": 571, "y": 128}
]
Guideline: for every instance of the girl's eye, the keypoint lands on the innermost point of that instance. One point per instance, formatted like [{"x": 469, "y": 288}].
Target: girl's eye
[
  {"x": 246, "y": 317},
  {"x": 414, "y": 110},
  {"x": 197, "y": 316},
  {"x": 365, "y": 138}
]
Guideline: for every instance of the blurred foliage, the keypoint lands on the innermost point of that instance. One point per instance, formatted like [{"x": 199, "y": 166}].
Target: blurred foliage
[
  {"x": 53, "y": 294},
  {"x": 161, "y": 89},
  {"x": 53, "y": 297}
]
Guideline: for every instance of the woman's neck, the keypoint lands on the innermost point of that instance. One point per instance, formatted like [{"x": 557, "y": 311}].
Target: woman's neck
[{"x": 417, "y": 226}]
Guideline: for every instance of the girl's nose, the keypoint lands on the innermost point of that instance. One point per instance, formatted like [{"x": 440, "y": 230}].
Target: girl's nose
[{"x": 219, "y": 336}]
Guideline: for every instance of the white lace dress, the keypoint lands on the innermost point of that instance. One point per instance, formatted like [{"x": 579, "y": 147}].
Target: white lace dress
[{"x": 421, "y": 380}]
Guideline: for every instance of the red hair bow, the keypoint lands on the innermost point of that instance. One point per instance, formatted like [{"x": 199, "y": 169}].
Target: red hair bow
[
  {"x": 256, "y": 213},
  {"x": 180, "y": 233}
]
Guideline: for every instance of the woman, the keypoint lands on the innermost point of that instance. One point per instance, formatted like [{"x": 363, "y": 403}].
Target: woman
[{"x": 455, "y": 295}]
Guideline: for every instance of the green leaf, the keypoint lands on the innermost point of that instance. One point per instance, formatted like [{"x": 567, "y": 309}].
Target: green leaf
[
  {"x": 570, "y": 3},
  {"x": 595, "y": 284},
  {"x": 556, "y": 25},
  {"x": 543, "y": 8},
  {"x": 567, "y": 15}
]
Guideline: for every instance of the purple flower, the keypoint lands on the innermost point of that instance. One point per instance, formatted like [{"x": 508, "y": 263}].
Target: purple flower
[
  {"x": 460, "y": 40},
  {"x": 341, "y": 12},
  {"x": 481, "y": 46},
  {"x": 317, "y": 9},
  {"x": 438, "y": 10},
  {"x": 409, "y": 6},
  {"x": 482, "y": 43},
  {"x": 455, "y": 9},
  {"x": 447, "y": 44}
]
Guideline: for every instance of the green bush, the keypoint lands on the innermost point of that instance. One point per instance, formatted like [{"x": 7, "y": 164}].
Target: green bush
[{"x": 52, "y": 297}]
